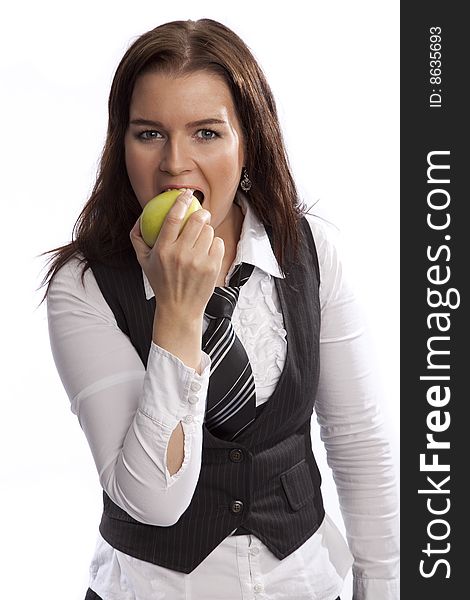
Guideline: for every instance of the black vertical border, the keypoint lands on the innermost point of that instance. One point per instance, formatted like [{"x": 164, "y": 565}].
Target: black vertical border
[{"x": 426, "y": 129}]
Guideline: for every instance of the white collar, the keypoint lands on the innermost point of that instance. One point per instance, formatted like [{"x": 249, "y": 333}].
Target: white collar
[{"x": 253, "y": 247}]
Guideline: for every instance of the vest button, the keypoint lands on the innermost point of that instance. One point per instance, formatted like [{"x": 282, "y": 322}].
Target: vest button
[
  {"x": 236, "y": 455},
  {"x": 236, "y": 506}
]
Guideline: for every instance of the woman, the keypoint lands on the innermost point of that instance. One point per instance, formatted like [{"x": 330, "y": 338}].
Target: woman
[{"x": 199, "y": 422}]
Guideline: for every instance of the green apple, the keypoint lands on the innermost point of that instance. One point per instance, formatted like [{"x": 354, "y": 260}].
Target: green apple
[{"x": 155, "y": 211}]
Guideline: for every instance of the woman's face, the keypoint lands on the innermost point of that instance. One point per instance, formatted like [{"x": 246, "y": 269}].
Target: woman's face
[{"x": 184, "y": 132}]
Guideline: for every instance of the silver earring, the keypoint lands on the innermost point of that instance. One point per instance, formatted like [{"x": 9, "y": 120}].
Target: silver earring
[{"x": 245, "y": 183}]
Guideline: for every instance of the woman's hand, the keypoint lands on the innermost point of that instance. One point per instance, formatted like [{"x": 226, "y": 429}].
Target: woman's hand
[{"x": 181, "y": 268}]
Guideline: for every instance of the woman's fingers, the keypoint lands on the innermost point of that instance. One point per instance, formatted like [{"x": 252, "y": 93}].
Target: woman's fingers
[
  {"x": 204, "y": 240},
  {"x": 137, "y": 240},
  {"x": 135, "y": 231},
  {"x": 193, "y": 227},
  {"x": 217, "y": 250},
  {"x": 172, "y": 224}
]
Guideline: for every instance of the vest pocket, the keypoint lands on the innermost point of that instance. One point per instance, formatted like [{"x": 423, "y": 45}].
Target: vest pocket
[{"x": 298, "y": 485}]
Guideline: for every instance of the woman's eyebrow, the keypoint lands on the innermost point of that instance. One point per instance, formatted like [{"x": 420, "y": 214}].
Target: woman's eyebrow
[{"x": 148, "y": 123}]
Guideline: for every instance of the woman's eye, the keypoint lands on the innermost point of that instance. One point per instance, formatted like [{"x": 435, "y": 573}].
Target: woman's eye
[
  {"x": 148, "y": 135},
  {"x": 207, "y": 134}
]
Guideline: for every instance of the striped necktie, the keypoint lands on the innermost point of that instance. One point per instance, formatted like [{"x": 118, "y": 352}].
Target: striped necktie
[{"x": 231, "y": 397}]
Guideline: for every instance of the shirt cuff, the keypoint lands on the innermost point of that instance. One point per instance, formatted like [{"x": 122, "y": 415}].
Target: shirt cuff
[
  {"x": 376, "y": 589},
  {"x": 173, "y": 392}
]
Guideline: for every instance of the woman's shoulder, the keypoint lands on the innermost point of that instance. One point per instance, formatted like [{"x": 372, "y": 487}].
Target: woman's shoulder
[
  {"x": 74, "y": 281},
  {"x": 326, "y": 236},
  {"x": 74, "y": 290},
  {"x": 70, "y": 272},
  {"x": 81, "y": 275},
  {"x": 335, "y": 280}
]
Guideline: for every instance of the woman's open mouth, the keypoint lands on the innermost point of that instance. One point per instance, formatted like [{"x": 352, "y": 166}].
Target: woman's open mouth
[{"x": 199, "y": 195}]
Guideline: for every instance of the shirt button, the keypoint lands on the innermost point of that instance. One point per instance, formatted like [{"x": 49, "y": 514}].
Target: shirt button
[
  {"x": 195, "y": 386},
  {"x": 236, "y": 506},
  {"x": 193, "y": 399},
  {"x": 254, "y": 551},
  {"x": 258, "y": 587},
  {"x": 236, "y": 455},
  {"x": 188, "y": 419}
]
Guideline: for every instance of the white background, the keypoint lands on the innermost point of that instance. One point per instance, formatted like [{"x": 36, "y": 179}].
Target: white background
[{"x": 334, "y": 70}]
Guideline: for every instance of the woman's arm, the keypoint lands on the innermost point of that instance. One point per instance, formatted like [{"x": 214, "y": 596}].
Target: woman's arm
[
  {"x": 182, "y": 268},
  {"x": 127, "y": 413},
  {"x": 352, "y": 430}
]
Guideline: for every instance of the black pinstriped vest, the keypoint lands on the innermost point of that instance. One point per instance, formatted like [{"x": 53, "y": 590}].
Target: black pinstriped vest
[{"x": 267, "y": 481}]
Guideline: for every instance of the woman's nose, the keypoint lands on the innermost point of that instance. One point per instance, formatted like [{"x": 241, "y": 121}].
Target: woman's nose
[{"x": 175, "y": 157}]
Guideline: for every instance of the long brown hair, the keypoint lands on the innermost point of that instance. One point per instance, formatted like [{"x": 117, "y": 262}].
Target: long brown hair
[{"x": 101, "y": 231}]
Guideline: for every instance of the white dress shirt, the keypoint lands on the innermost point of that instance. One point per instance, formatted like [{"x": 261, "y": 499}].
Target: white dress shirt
[{"x": 128, "y": 413}]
